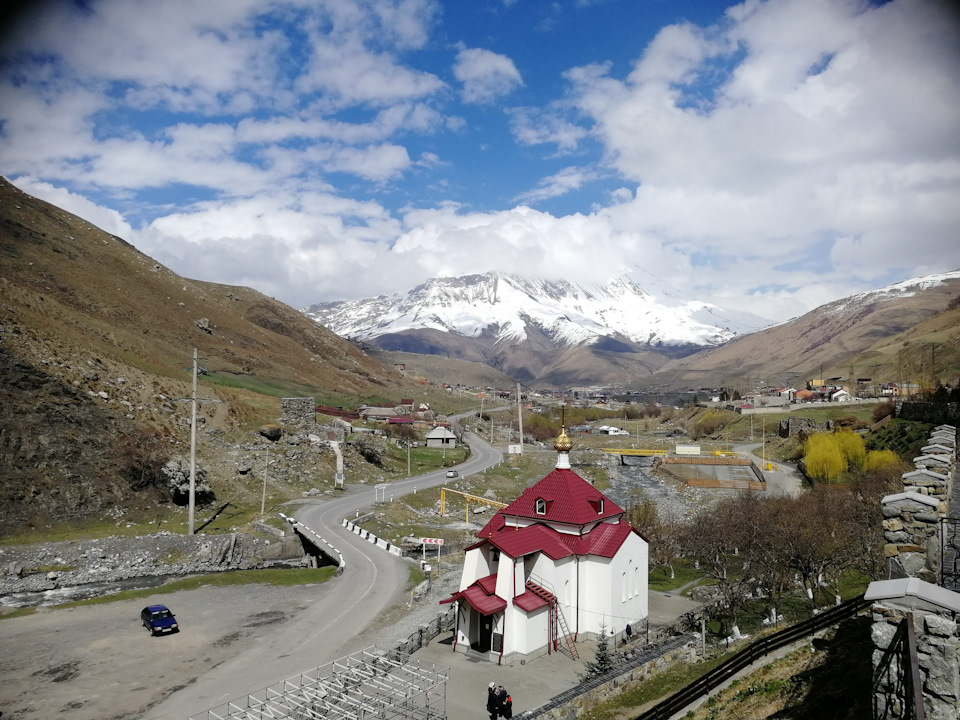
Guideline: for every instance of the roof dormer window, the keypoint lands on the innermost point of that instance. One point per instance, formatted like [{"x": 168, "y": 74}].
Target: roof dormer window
[
  {"x": 541, "y": 506},
  {"x": 600, "y": 506}
]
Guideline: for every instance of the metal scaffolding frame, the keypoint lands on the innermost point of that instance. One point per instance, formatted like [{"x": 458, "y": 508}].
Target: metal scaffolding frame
[{"x": 372, "y": 684}]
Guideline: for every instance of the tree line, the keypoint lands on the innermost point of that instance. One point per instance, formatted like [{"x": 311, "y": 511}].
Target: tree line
[{"x": 751, "y": 545}]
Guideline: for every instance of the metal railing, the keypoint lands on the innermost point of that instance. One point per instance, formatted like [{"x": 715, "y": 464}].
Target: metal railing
[
  {"x": 749, "y": 655},
  {"x": 899, "y": 684}
]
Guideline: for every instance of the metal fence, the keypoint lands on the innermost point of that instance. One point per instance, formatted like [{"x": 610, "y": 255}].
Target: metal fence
[{"x": 756, "y": 651}]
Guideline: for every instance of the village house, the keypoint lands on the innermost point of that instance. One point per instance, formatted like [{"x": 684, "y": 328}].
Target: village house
[
  {"x": 441, "y": 437},
  {"x": 558, "y": 564}
]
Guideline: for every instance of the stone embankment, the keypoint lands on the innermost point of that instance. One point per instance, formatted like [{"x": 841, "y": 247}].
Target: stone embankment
[{"x": 47, "y": 566}]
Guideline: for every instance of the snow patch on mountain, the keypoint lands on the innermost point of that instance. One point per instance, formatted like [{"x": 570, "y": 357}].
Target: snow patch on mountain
[
  {"x": 906, "y": 288},
  {"x": 509, "y": 306}
]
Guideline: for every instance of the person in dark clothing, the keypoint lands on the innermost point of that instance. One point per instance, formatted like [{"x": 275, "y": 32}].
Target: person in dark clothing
[
  {"x": 504, "y": 702},
  {"x": 492, "y": 702}
]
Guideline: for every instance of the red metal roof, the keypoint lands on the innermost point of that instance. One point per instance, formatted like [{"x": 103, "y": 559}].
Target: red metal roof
[
  {"x": 529, "y": 601},
  {"x": 604, "y": 540},
  {"x": 481, "y": 596},
  {"x": 568, "y": 497},
  {"x": 493, "y": 525},
  {"x": 533, "y": 538},
  {"x": 488, "y": 584}
]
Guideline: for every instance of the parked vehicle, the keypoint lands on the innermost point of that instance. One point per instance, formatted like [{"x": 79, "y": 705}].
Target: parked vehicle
[
  {"x": 158, "y": 619},
  {"x": 452, "y": 473}
]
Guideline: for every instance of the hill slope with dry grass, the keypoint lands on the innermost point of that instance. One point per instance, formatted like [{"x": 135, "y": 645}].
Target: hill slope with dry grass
[
  {"x": 881, "y": 339},
  {"x": 96, "y": 343}
]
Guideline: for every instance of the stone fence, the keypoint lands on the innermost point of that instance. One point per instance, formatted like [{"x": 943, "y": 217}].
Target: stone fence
[
  {"x": 298, "y": 412},
  {"x": 928, "y": 652},
  {"x": 911, "y": 519},
  {"x": 796, "y": 425},
  {"x": 933, "y": 613}
]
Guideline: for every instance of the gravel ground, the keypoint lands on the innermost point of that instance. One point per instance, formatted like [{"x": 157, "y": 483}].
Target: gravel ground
[{"x": 98, "y": 663}]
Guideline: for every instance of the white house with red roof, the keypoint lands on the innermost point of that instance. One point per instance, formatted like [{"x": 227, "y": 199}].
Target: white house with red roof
[{"x": 557, "y": 564}]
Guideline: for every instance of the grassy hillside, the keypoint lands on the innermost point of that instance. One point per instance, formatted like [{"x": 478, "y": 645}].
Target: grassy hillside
[{"x": 96, "y": 343}]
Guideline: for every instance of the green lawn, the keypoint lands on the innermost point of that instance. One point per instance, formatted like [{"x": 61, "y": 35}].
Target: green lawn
[{"x": 684, "y": 573}]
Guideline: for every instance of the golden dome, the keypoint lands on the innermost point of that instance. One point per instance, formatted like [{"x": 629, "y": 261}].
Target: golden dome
[{"x": 562, "y": 443}]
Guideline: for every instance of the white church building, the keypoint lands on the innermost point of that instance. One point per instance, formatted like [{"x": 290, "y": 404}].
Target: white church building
[{"x": 556, "y": 565}]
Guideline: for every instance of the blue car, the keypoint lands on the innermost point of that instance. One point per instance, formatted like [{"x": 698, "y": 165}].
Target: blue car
[{"x": 158, "y": 619}]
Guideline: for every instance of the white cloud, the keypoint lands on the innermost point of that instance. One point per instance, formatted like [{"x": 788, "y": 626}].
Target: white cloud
[
  {"x": 796, "y": 152},
  {"x": 830, "y": 121},
  {"x": 485, "y": 75},
  {"x": 531, "y": 126},
  {"x": 570, "y": 178}
]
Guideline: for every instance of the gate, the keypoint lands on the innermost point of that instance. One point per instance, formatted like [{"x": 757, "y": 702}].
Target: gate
[{"x": 950, "y": 553}]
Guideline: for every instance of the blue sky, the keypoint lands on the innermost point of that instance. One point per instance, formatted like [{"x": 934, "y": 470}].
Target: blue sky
[{"x": 766, "y": 156}]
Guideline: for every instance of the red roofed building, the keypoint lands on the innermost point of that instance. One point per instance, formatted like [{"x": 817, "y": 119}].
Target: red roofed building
[{"x": 551, "y": 567}]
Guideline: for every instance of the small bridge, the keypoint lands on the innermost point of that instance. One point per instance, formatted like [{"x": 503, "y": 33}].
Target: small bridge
[{"x": 622, "y": 452}]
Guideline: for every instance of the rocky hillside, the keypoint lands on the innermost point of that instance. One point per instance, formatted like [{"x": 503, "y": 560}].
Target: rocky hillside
[
  {"x": 96, "y": 343},
  {"x": 890, "y": 335}
]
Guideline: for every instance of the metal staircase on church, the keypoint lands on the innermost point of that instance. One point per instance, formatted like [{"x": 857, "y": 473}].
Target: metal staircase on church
[{"x": 560, "y": 637}]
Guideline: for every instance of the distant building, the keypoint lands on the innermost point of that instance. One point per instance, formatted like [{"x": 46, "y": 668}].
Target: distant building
[
  {"x": 377, "y": 414},
  {"x": 441, "y": 437}
]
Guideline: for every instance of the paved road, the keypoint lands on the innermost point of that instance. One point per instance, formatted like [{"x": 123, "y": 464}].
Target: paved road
[
  {"x": 781, "y": 479},
  {"x": 372, "y": 582}
]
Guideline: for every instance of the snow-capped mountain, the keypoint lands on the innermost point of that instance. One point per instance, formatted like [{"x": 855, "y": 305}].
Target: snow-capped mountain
[
  {"x": 510, "y": 310},
  {"x": 904, "y": 289}
]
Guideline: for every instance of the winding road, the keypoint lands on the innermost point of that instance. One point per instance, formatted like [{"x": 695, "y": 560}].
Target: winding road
[{"x": 372, "y": 582}]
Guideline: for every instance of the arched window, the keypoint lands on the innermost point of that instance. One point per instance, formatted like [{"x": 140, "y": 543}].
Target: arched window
[
  {"x": 623, "y": 587},
  {"x": 636, "y": 580},
  {"x": 541, "y": 506}
]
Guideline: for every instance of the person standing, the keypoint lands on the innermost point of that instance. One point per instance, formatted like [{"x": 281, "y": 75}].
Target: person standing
[
  {"x": 506, "y": 703},
  {"x": 492, "y": 701},
  {"x": 502, "y": 702}
]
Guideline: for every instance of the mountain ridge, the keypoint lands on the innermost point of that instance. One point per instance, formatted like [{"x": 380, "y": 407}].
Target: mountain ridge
[{"x": 570, "y": 314}]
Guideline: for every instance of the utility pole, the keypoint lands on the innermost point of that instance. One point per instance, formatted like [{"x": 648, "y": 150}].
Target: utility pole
[
  {"x": 193, "y": 445},
  {"x": 520, "y": 417},
  {"x": 266, "y": 464}
]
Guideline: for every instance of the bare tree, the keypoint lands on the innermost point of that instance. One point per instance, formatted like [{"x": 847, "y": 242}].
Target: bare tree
[{"x": 714, "y": 539}]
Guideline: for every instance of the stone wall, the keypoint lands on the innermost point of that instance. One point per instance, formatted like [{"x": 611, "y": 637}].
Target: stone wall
[
  {"x": 426, "y": 632},
  {"x": 911, "y": 537},
  {"x": 911, "y": 519},
  {"x": 938, "y": 654},
  {"x": 796, "y": 425},
  {"x": 46, "y": 566},
  {"x": 298, "y": 412}
]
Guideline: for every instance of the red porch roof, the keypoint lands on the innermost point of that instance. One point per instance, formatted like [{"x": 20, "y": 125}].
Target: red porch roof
[
  {"x": 529, "y": 601},
  {"x": 481, "y": 596}
]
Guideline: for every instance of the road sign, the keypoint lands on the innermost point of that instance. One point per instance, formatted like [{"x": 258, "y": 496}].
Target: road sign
[{"x": 431, "y": 541}]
